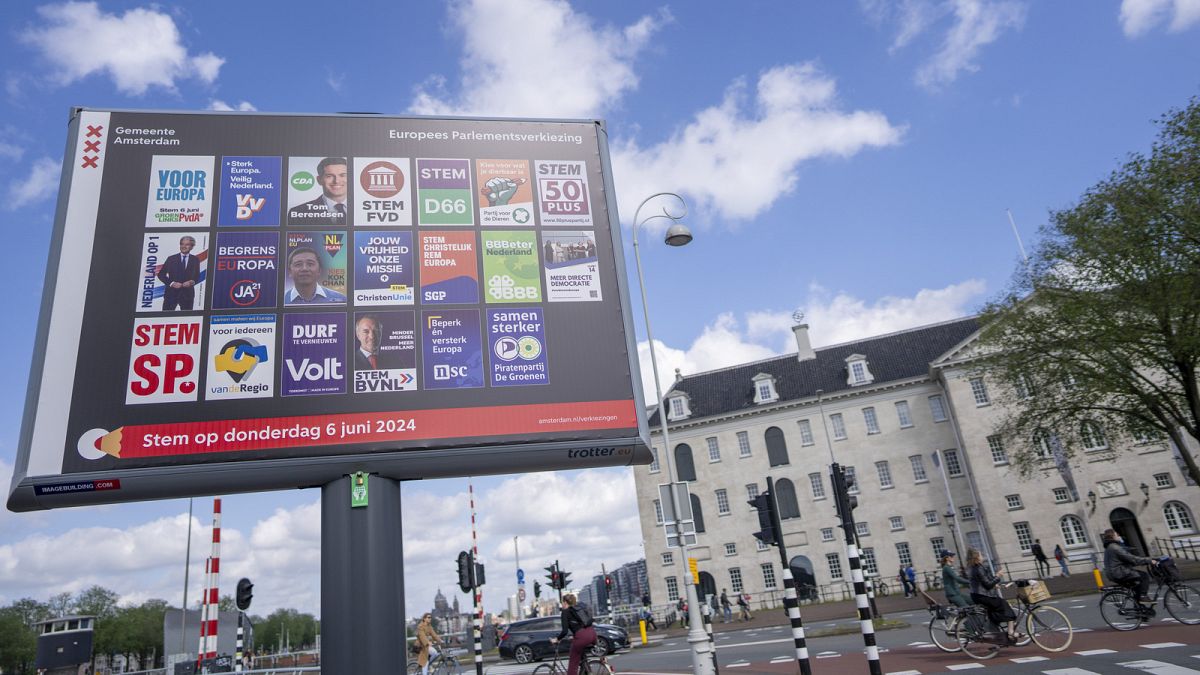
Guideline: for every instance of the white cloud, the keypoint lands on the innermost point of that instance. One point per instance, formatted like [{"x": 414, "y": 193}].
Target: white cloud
[
  {"x": 737, "y": 158},
  {"x": 39, "y": 184},
  {"x": 536, "y": 58},
  {"x": 833, "y": 318},
  {"x": 1138, "y": 17},
  {"x": 139, "y": 49},
  {"x": 218, "y": 104},
  {"x": 977, "y": 23},
  {"x": 12, "y": 143}
]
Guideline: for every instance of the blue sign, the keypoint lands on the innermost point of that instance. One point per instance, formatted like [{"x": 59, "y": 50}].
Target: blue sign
[{"x": 520, "y": 576}]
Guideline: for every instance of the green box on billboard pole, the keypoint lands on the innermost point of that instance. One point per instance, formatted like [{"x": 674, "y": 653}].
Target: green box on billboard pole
[
  {"x": 511, "y": 269},
  {"x": 358, "y": 490}
]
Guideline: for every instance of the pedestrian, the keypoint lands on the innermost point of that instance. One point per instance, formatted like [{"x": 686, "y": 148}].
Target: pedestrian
[
  {"x": 682, "y": 607},
  {"x": 951, "y": 581},
  {"x": 902, "y": 577},
  {"x": 910, "y": 575},
  {"x": 726, "y": 607},
  {"x": 648, "y": 617},
  {"x": 1062, "y": 560},
  {"x": 576, "y": 620},
  {"x": 427, "y": 641},
  {"x": 744, "y": 607},
  {"x": 1040, "y": 556}
]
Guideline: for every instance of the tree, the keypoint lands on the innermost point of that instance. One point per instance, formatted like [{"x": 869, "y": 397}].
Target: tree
[
  {"x": 18, "y": 641},
  {"x": 1098, "y": 337},
  {"x": 226, "y": 603},
  {"x": 285, "y": 627}
]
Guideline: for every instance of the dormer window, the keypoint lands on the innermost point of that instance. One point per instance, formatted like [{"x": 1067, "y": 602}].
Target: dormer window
[
  {"x": 764, "y": 388},
  {"x": 857, "y": 370},
  {"x": 679, "y": 408}
]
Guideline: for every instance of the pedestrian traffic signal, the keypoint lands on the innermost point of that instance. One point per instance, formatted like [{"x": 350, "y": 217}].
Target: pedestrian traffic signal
[
  {"x": 244, "y": 594},
  {"x": 465, "y": 562},
  {"x": 764, "y": 505},
  {"x": 552, "y": 575},
  {"x": 537, "y": 591},
  {"x": 479, "y": 577}
]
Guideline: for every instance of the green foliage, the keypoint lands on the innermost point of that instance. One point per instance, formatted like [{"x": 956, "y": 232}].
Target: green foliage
[
  {"x": 1103, "y": 325},
  {"x": 18, "y": 642},
  {"x": 285, "y": 627}
]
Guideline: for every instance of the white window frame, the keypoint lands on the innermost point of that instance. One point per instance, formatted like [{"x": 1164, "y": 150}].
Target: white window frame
[
  {"x": 996, "y": 446},
  {"x": 953, "y": 464},
  {"x": 937, "y": 408},
  {"x": 806, "y": 434},
  {"x": 852, "y": 486},
  {"x": 1092, "y": 435},
  {"x": 979, "y": 392},
  {"x": 903, "y": 414},
  {"x": 672, "y": 589},
  {"x": 917, "y": 462},
  {"x": 770, "y": 581},
  {"x": 870, "y": 420},
  {"x": 858, "y": 371},
  {"x": 1163, "y": 481},
  {"x": 678, "y": 408},
  {"x": 764, "y": 389},
  {"x": 934, "y": 520},
  {"x": 966, "y": 512},
  {"x": 1061, "y": 495},
  {"x": 870, "y": 563},
  {"x": 655, "y": 467},
  {"x": 743, "y": 439},
  {"x": 735, "y": 580},
  {"x": 751, "y": 492},
  {"x": 1074, "y": 536},
  {"x": 1178, "y": 518},
  {"x": 1024, "y": 535},
  {"x": 834, "y": 562},
  {"x": 760, "y": 545},
  {"x": 668, "y": 558},
  {"x": 722, "y": 502},
  {"x": 938, "y": 544},
  {"x": 1014, "y": 502},
  {"x": 714, "y": 449},
  {"x": 826, "y": 534},
  {"x": 896, "y": 523},
  {"x": 1041, "y": 443},
  {"x": 862, "y": 528},
  {"x": 884, "y": 471},
  {"x": 839, "y": 426},
  {"x": 658, "y": 512},
  {"x": 730, "y": 548},
  {"x": 904, "y": 553},
  {"x": 816, "y": 483}
]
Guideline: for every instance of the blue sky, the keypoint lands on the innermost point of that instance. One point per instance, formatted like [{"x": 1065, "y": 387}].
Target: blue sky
[{"x": 852, "y": 159}]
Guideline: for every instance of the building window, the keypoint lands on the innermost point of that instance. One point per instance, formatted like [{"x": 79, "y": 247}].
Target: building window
[
  {"x": 1073, "y": 531},
  {"x": 722, "y": 502},
  {"x": 862, "y": 529},
  {"x": 806, "y": 437},
  {"x": 858, "y": 372},
  {"x": 835, "y": 566},
  {"x": 731, "y": 549},
  {"x": 764, "y": 389},
  {"x": 904, "y": 553},
  {"x": 672, "y": 589},
  {"x": 871, "y": 421},
  {"x": 735, "y": 579},
  {"x": 818, "y": 485},
  {"x": 870, "y": 566},
  {"x": 1042, "y": 443},
  {"x": 1014, "y": 502},
  {"x": 768, "y": 571},
  {"x": 938, "y": 544},
  {"x": 1092, "y": 435},
  {"x": 777, "y": 453},
  {"x": 658, "y": 512},
  {"x": 668, "y": 558},
  {"x": 931, "y": 517},
  {"x": 996, "y": 445},
  {"x": 1023, "y": 386},
  {"x": 885, "y": 474},
  {"x": 966, "y": 512},
  {"x": 953, "y": 467},
  {"x": 897, "y": 522},
  {"x": 1179, "y": 519},
  {"x": 697, "y": 513},
  {"x": 826, "y": 534},
  {"x": 785, "y": 499},
  {"x": 676, "y": 408},
  {"x": 751, "y": 492},
  {"x": 1061, "y": 495},
  {"x": 851, "y": 480},
  {"x": 1024, "y": 536},
  {"x": 743, "y": 444},
  {"x": 654, "y": 466},
  {"x": 903, "y": 414},
  {"x": 839, "y": 427},
  {"x": 937, "y": 408},
  {"x": 760, "y": 545},
  {"x": 683, "y": 462},
  {"x": 979, "y": 391},
  {"x": 714, "y": 450},
  {"x": 1163, "y": 480},
  {"x": 918, "y": 469}
]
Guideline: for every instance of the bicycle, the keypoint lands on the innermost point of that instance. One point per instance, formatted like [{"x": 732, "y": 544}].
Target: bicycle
[
  {"x": 880, "y": 588},
  {"x": 941, "y": 624},
  {"x": 1045, "y": 626},
  {"x": 442, "y": 664},
  {"x": 1122, "y": 611},
  {"x": 594, "y": 665}
]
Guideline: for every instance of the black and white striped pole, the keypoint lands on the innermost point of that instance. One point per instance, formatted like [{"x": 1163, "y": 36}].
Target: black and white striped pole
[
  {"x": 712, "y": 644},
  {"x": 242, "y": 598},
  {"x": 845, "y": 506},
  {"x": 237, "y": 655},
  {"x": 791, "y": 601}
]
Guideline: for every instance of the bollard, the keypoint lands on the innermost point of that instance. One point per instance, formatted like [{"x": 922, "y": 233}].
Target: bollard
[
  {"x": 642, "y": 625},
  {"x": 1097, "y": 577}
]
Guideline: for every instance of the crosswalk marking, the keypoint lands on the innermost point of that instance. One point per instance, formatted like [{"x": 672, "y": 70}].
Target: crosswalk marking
[
  {"x": 781, "y": 659},
  {"x": 903, "y": 672},
  {"x": 1159, "y": 667},
  {"x": 1077, "y": 606},
  {"x": 1162, "y": 645},
  {"x": 1094, "y": 652},
  {"x": 963, "y": 666},
  {"x": 828, "y": 655},
  {"x": 918, "y": 644},
  {"x": 1029, "y": 659},
  {"x": 1069, "y": 671}
]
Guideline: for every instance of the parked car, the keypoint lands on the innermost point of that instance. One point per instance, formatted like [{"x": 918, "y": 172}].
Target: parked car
[{"x": 529, "y": 640}]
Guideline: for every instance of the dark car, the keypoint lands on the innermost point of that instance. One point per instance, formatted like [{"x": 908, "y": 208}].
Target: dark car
[{"x": 529, "y": 640}]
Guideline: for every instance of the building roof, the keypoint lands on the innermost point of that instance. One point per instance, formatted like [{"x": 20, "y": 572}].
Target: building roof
[{"x": 902, "y": 355}]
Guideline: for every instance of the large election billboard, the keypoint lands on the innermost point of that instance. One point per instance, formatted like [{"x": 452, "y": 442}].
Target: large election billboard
[{"x": 239, "y": 302}]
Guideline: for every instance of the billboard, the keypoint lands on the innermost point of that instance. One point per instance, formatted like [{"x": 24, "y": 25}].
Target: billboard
[{"x": 413, "y": 297}]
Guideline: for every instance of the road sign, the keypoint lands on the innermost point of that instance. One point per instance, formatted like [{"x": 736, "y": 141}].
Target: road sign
[
  {"x": 521, "y": 595},
  {"x": 520, "y": 576}
]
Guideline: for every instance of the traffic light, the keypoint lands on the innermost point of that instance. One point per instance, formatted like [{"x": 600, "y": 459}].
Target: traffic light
[
  {"x": 843, "y": 500},
  {"x": 564, "y": 580},
  {"x": 552, "y": 575},
  {"x": 537, "y": 591},
  {"x": 607, "y": 582},
  {"x": 764, "y": 505},
  {"x": 479, "y": 577},
  {"x": 465, "y": 562},
  {"x": 244, "y": 594}
]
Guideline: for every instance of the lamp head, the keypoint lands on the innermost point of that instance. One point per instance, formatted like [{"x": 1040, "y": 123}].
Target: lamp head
[{"x": 678, "y": 235}]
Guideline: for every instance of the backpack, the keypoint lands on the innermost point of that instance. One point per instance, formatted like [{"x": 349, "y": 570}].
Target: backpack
[{"x": 584, "y": 615}]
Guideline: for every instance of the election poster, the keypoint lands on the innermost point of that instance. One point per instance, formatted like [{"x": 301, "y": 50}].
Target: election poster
[
  {"x": 173, "y": 272},
  {"x": 517, "y": 341},
  {"x": 381, "y": 198},
  {"x": 449, "y": 273},
  {"x": 164, "y": 360},
  {"x": 316, "y": 268},
  {"x": 385, "y": 353},
  {"x": 451, "y": 355},
  {"x": 506, "y": 190},
  {"x": 572, "y": 268},
  {"x": 314, "y": 354},
  {"x": 444, "y": 193},
  {"x": 241, "y": 357},
  {"x": 563, "y": 189},
  {"x": 250, "y": 192},
  {"x": 383, "y": 268},
  {"x": 510, "y": 266},
  {"x": 317, "y": 192},
  {"x": 246, "y": 270},
  {"x": 180, "y": 191}
]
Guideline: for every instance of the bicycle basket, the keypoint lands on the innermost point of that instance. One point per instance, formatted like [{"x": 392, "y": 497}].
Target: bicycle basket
[{"x": 1035, "y": 592}]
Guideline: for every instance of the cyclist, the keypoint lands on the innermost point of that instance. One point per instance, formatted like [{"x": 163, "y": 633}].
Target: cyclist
[
  {"x": 427, "y": 638},
  {"x": 576, "y": 620},
  {"x": 984, "y": 592},
  {"x": 951, "y": 581},
  {"x": 1120, "y": 564}
]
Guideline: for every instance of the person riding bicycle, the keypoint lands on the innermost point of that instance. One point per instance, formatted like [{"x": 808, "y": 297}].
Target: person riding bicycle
[
  {"x": 1120, "y": 566},
  {"x": 952, "y": 581},
  {"x": 577, "y": 621},
  {"x": 427, "y": 638},
  {"x": 984, "y": 592}
]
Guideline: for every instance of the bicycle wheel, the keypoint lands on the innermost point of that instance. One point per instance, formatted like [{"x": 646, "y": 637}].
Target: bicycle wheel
[
  {"x": 1049, "y": 628},
  {"x": 941, "y": 632},
  {"x": 413, "y": 668},
  {"x": 972, "y": 630},
  {"x": 1120, "y": 610},
  {"x": 1183, "y": 603},
  {"x": 598, "y": 667},
  {"x": 545, "y": 669},
  {"x": 449, "y": 665},
  {"x": 882, "y": 590}
]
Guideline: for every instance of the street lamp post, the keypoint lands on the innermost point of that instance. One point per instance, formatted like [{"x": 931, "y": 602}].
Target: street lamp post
[{"x": 677, "y": 235}]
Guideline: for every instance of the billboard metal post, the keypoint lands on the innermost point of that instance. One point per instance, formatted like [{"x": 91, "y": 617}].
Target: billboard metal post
[{"x": 362, "y": 580}]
